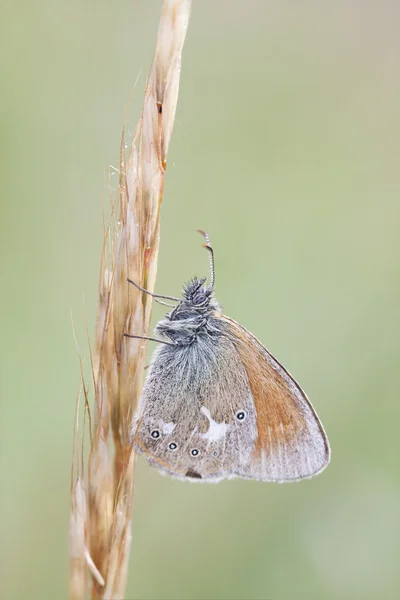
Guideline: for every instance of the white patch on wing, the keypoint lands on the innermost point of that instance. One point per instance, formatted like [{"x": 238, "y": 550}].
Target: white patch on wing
[
  {"x": 216, "y": 431},
  {"x": 168, "y": 428}
]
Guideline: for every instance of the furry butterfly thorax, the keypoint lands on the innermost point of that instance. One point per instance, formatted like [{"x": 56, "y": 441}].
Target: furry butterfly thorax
[{"x": 195, "y": 316}]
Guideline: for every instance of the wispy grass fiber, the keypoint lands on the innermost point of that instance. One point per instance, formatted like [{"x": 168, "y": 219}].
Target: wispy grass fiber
[{"x": 102, "y": 491}]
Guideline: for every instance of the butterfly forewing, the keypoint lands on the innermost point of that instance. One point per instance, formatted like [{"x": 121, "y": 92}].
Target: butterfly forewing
[{"x": 291, "y": 443}]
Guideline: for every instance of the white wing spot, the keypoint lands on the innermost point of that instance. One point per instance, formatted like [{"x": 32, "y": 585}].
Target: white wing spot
[
  {"x": 167, "y": 428},
  {"x": 216, "y": 431}
]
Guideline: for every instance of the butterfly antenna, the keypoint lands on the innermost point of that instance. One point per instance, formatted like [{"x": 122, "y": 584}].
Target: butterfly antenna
[{"x": 211, "y": 251}]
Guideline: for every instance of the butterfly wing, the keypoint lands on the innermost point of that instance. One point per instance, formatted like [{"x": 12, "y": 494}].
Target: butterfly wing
[
  {"x": 224, "y": 407},
  {"x": 291, "y": 443},
  {"x": 196, "y": 417}
]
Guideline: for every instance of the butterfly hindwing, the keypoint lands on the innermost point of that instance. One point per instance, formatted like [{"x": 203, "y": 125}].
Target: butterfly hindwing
[{"x": 196, "y": 417}]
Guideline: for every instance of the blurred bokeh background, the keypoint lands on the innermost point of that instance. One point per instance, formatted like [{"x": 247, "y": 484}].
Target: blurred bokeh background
[{"x": 286, "y": 149}]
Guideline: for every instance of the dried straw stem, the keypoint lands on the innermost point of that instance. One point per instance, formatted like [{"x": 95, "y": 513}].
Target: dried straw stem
[{"x": 101, "y": 503}]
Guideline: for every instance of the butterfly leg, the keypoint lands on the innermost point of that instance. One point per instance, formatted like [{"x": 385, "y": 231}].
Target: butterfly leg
[
  {"x": 150, "y": 339},
  {"x": 155, "y": 296}
]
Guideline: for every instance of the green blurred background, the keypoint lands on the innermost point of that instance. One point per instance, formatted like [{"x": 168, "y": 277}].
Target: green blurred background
[{"x": 286, "y": 149}]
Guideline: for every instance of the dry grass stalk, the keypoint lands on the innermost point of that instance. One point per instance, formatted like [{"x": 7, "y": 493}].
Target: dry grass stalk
[{"x": 101, "y": 504}]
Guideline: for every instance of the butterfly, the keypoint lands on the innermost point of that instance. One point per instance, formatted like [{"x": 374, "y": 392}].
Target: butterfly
[{"x": 217, "y": 405}]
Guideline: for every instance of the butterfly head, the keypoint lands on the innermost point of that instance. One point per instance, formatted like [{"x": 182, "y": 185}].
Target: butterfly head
[
  {"x": 197, "y": 302},
  {"x": 196, "y": 294},
  {"x": 184, "y": 323}
]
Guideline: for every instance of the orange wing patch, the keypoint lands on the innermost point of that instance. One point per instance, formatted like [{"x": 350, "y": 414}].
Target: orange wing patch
[{"x": 279, "y": 416}]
